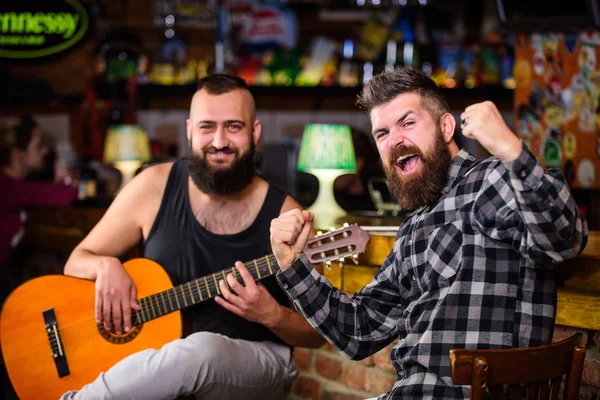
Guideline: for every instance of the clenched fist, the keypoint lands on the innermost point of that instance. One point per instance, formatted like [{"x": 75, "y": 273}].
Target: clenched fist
[
  {"x": 483, "y": 122},
  {"x": 289, "y": 234}
]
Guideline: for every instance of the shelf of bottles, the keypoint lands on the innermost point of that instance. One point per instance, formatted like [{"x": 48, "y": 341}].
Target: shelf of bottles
[{"x": 281, "y": 55}]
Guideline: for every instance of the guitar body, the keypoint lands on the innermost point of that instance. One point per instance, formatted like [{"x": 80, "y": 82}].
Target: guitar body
[{"x": 88, "y": 349}]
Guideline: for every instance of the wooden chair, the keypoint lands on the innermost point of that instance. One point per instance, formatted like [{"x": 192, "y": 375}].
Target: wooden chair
[{"x": 537, "y": 370}]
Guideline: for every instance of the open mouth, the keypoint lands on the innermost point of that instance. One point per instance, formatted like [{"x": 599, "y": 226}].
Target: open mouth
[{"x": 408, "y": 163}]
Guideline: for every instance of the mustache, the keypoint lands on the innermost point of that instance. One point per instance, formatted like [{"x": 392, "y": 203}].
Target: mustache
[{"x": 213, "y": 150}]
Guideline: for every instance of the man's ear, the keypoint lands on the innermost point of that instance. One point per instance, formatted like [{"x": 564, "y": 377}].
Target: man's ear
[
  {"x": 256, "y": 131},
  {"x": 188, "y": 130},
  {"x": 448, "y": 125}
]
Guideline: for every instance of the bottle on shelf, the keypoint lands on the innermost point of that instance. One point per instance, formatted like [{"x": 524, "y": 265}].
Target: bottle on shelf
[
  {"x": 367, "y": 74},
  {"x": 391, "y": 56},
  {"x": 348, "y": 71}
]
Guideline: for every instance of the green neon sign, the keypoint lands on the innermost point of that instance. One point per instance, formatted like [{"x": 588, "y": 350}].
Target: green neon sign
[{"x": 53, "y": 27}]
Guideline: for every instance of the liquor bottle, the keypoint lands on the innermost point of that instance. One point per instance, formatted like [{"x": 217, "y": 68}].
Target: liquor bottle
[
  {"x": 348, "y": 73},
  {"x": 391, "y": 55}
]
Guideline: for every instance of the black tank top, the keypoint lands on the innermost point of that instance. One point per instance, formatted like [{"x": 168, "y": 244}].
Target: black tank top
[{"x": 187, "y": 251}]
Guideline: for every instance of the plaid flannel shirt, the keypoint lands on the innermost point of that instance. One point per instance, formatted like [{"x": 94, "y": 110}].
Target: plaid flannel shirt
[{"x": 474, "y": 270}]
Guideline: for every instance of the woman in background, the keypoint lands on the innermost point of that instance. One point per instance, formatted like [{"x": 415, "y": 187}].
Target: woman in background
[{"x": 22, "y": 154}]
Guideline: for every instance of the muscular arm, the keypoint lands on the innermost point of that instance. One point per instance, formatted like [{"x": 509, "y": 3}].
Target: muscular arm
[
  {"x": 121, "y": 227},
  {"x": 95, "y": 258}
]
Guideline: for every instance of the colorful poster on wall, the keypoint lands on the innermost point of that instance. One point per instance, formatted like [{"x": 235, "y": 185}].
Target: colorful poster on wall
[{"x": 557, "y": 97}]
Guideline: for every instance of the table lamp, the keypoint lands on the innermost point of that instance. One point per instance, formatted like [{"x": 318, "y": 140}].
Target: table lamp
[
  {"x": 126, "y": 147},
  {"x": 327, "y": 151}
]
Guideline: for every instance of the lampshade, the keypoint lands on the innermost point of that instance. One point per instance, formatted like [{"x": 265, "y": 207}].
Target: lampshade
[
  {"x": 127, "y": 148},
  {"x": 327, "y": 151},
  {"x": 126, "y": 143},
  {"x": 327, "y": 146}
]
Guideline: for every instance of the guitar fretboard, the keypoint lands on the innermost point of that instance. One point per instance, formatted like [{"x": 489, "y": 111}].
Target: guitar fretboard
[{"x": 198, "y": 290}]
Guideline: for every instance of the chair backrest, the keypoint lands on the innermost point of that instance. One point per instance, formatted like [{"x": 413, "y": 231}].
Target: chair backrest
[{"x": 531, "y": 373}]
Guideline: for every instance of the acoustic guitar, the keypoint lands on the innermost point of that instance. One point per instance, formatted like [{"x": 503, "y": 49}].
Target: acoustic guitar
[{"x": 51, "y": 342}]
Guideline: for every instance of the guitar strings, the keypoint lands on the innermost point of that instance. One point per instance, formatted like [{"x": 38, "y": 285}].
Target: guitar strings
[{"x": 263, "y": 268}]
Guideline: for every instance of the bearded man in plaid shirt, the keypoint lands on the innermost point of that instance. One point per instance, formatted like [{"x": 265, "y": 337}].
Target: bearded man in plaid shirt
[{"x": 473, "y": 266}]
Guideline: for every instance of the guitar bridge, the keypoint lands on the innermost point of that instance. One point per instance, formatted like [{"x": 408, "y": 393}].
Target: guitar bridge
[{"x": 56, "y": 345}]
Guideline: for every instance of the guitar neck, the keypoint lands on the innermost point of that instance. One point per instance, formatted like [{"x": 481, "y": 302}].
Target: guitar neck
[
  {"x": 344, "y": 242},
  {"x": 198, "y": 290}
]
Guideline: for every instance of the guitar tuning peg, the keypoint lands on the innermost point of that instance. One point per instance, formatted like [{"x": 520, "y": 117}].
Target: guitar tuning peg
[
  {"x": 331, "y": 229},
  {"x": 319, "y": 233},
  {"x": 341, "y": 260},
  {"x": 328, "y": 265},
  {"x": 355, "y": 258},
  {"x": 346, "y": 225}
]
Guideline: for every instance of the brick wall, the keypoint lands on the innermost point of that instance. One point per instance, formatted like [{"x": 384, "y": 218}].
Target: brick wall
[
  {"x": 325, "y": 374},
  {"x": 590, "y": 380}
]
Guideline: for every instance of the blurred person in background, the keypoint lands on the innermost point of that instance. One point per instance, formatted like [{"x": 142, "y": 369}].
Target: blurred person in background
[{"x": 22, "y": 154}]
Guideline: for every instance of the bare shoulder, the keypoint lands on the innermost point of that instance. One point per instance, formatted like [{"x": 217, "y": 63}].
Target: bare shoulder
[
  {"x": 144, "y": 192},
  {"x": 152, "y": 180}
]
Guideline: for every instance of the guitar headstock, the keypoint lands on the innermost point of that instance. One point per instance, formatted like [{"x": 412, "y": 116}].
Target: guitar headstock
[{"x": 349, "y": 241}]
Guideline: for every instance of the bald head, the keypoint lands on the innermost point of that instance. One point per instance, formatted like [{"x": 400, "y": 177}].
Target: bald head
[
  {"x": 213, "y": 86},
  {"x": 236, "y": 105}
]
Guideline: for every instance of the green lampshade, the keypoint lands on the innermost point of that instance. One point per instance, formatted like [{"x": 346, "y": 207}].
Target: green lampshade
[
  {"x": 126, "y": 143},
  {"x": 327, "y": 146}
]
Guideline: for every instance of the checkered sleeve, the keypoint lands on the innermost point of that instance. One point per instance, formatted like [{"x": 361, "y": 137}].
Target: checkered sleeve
[
  {"x": 534, "y": 207},
  {"x": 357, "y": 326}
]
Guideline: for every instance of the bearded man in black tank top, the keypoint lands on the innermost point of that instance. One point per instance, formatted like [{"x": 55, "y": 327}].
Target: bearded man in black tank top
[{"x": 196, "y": 216}]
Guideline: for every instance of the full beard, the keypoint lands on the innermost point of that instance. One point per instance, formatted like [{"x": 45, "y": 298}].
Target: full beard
[
  {"x": 419, "y": 189},
  {"x": 222, "y": 181}
]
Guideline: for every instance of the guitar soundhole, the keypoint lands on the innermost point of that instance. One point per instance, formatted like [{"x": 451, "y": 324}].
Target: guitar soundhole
[{"x": 119, "y": 339}]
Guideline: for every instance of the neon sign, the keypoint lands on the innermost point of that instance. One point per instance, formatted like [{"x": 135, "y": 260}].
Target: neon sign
[{"x": 49, "y": 28}]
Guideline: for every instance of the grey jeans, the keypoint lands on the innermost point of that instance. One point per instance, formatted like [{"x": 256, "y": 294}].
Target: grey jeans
[{"x": 207, "y": 365}]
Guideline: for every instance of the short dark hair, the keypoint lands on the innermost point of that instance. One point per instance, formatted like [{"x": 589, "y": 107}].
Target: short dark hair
[
  {"x": 222, "y": 83},
  {"x": 386, "y": 86},
  {"x": 15, "y": 137}
]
